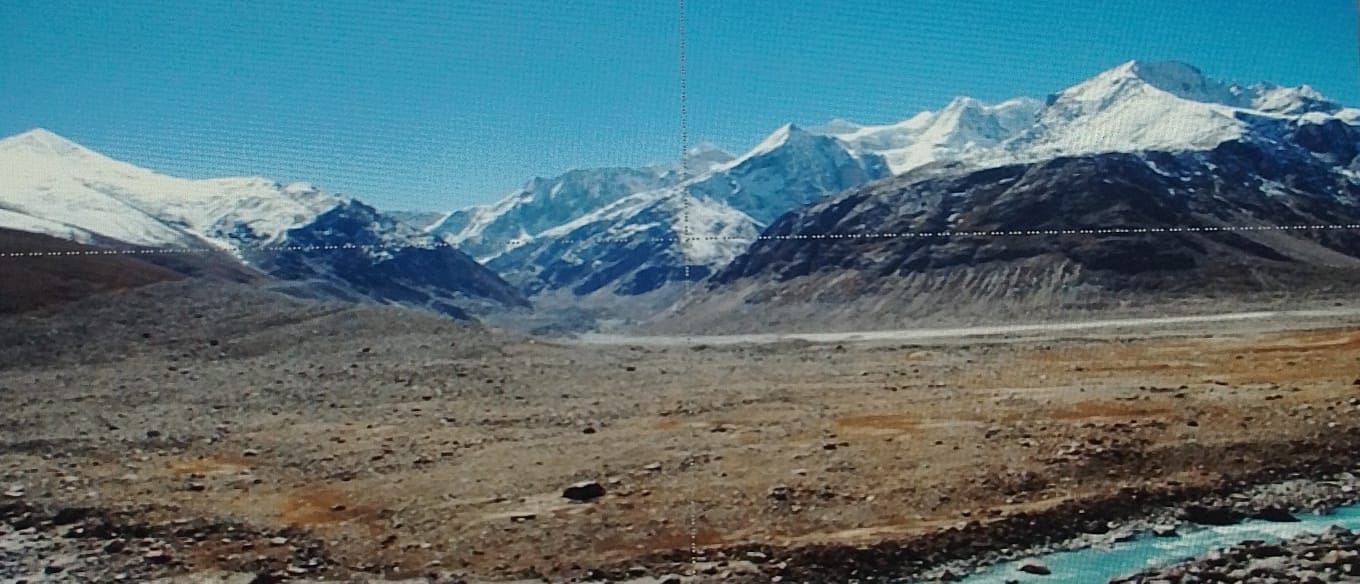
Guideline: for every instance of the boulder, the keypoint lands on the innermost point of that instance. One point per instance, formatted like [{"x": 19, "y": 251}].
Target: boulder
[{"x": 584, "y": 491}]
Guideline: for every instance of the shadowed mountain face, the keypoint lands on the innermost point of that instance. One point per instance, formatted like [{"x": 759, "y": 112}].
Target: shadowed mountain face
[
  {"x": 1103, "y": 225},
  {"x": 346, "y": 253},
  {"x": 37, "y": 281}
]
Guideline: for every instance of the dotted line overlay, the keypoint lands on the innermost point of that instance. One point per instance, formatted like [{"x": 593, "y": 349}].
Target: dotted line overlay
[{"x": 518, "y": 243}]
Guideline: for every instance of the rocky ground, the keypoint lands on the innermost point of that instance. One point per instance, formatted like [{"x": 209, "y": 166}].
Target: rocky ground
[
  {"x": 224, "y": 433},
  {"x": 1333, "y": 556}
]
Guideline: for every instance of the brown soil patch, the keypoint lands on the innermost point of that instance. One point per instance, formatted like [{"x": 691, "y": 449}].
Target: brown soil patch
[
  {"x": 668, "y": 424},
  {"x": 210, "y": 465},
  {"x": 631, "y": 544},
  {"x": 1278, "y": 358},
  {"x": 880, "y": 422},
  {"x": 1329, "y": 340},
  {"x": 1109, "y": 409},
  {"x": 313, "y": 506}
]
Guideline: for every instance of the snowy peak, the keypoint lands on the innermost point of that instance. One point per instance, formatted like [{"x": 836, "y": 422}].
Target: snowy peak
[
  {"x": 1143, "y": 79},
  {"x": 1179, "y": 79},
  {"x": 836, "y": 126},
  {"x": 41, "y": 140},
  {"x": 1159, "y": 106},
  {"x": 790, "y": 142},
  {"x": 41, "y": 152},
  {"x": 1291, "y": 101},
  {"x": 54, "y": 181},
  {"x": 544, "y": 203},
  {"x": 964, "y": 125},
  {"x": 1140, "y": 78},
  {"x": 704, "y": 157},
  {"x": 787, "y": 134}
]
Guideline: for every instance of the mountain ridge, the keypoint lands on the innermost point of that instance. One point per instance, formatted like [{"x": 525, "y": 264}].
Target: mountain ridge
[{"x": 53, "y": 186}]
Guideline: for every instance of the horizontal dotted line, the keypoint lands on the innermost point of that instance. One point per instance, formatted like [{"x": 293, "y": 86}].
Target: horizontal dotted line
[{"x": 517, "y": 243}]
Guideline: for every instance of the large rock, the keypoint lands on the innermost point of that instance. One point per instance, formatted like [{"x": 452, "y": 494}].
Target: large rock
[
  {"x": 1211, "y": 515},
  {"x": 584, "y": 491}
]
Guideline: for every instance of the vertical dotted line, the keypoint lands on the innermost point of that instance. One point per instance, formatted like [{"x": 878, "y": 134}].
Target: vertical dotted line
[
  {"x": 685, "y": 232},
  {"x": 685, "y": 227}
]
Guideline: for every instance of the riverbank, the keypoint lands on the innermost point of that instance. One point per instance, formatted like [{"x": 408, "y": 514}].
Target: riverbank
[
  {"x": 1315, "y": 476},
  {"x": 1331, "y": 556}
]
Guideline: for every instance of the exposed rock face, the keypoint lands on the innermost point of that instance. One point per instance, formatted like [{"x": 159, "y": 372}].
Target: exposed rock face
[
  {"x": 346, "y": 252},
  {"x": 1243, "y": 217}
]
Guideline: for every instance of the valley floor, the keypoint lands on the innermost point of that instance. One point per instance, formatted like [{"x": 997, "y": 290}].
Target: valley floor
[{"x": 217, "y": 430}]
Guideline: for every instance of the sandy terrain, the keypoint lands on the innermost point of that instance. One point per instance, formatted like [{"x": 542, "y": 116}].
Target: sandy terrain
[{"x": 406, "y": 445}]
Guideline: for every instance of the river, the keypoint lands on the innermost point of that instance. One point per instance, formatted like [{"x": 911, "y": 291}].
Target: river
[{"x": 1100, "y": 564}]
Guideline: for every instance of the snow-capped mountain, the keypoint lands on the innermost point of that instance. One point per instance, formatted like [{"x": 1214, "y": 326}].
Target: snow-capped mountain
[
  {"x": 790, "y": 168},
  {"x": 964, "y": 127},
  {"x": 633, "y": 246},
  {"x": 641, "y": 241},
  {"x": 1136, "y": 106},
  {"x": 53, "y": 186},
  {"x": 542, "y": 204},
  {"x": 1146, "y": 185}
]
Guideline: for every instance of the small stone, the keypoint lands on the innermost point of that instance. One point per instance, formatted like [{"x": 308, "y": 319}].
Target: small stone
[
  {"x": 653, "y": 467},
  {"x": 1165, "y": 531},
  {"x": 278, "y": 540},
  {"x": 250, "y": 452},
  {"x": 779, "y": 493},
  {"x": 1035, "y": 567}
]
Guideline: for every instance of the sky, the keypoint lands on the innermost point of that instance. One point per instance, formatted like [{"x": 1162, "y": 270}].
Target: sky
[{"x": 438, "y": 104}]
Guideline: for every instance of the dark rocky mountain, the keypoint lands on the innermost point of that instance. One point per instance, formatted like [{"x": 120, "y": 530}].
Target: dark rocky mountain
[
  {"x": 417, "y": 219},
  {"x": 1259, "y": 215},
  {"x": 47, "y": 271},
  {"x": 354, "y": 252}
]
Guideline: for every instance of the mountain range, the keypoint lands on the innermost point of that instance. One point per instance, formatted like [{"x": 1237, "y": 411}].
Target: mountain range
[
  {"x": 1143, "y": 144},
  {"x": 1163, "y": 185},
  {"x": 311, "y": 242}
]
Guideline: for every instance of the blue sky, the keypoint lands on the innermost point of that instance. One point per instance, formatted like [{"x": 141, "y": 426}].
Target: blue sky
[{"x": 437, "y": 104}]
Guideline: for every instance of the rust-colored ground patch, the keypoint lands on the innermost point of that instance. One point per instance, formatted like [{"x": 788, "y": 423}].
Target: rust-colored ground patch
[
  {"x": 209, "y": 465},
  {"x": 1109, "y": 409},
  {"x": 1326, "y": 340},
  {"x": 1277, "y": 358},
  {"x": 312, "y": 506},
  {"x": 880, "y": 422}
]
